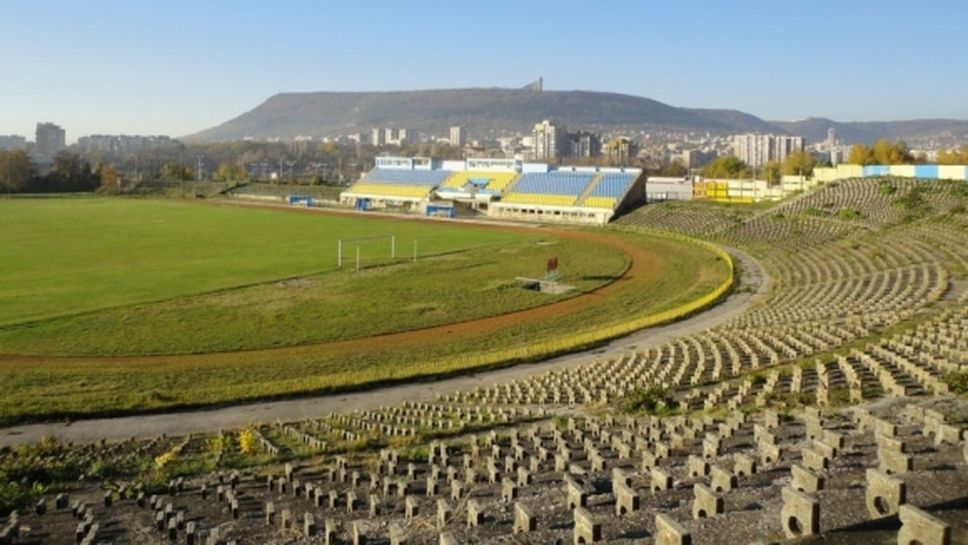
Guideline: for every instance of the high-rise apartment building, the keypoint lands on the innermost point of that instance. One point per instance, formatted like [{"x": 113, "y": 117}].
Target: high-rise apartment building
[
  {"x": 620, "y": 150},
  {"x": 549, "y": 141},
  {"x": 832, "y": 145},
  {"x": 378, "y": 137},
  {"x": 50, "y": 139},
  {"x": 758, "y": 149},
  {"x": 584, "y": 144},
  {"x": 457, "y": 137}
]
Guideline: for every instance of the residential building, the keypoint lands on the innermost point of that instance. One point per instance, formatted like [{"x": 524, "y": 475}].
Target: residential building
[
  {"x": 694, "y": 158},
  {"x": 621, "y": 150},
  {"x": 121, "y": 144},
  {"x": 584, "y": 144},
  {"x": 758, "y": 149},
  {"x": 390, "y": 136},
  {"x": 549, "y": 141},
  {"x": 50, "y": 139},
  {"x": 378, "y": 137},
  {"x": 457, "y": 137},
  {"x": 12, "y": 141},
  {"x": 832, "y": 145}
]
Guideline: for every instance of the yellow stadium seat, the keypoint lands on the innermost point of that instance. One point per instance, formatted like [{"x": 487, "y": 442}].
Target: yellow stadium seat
[
  {"x": 391, "y": 190},
  {"x": 550, "y": 200},
  {"x": 498, "y": 179},
  {"x": 600, "y": 202}
]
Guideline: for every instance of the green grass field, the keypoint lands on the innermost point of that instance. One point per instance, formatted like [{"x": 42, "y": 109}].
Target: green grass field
[
  {"x": 65, "y": 256},
  {"x": 103, "y": 277},
  {"x": 156, "y": 277}
]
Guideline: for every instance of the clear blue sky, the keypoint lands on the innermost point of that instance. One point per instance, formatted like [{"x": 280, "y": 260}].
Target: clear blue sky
[{"x": 176, "y": 66}]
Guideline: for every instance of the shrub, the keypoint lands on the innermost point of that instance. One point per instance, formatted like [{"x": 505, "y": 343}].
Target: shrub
[
  {"x": 248, "y": 440},
  {"x": 957, "y": 381},
  {"x": 217, "y": 444},
  {"x": 652, "y": 400},
  {"x": 849, "y": 214},
  {"x": 815, "y": 212},
  {"x": 164, "y": 459}
]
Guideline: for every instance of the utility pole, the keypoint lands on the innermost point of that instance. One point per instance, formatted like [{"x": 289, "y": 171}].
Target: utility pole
[{"x": 198, "y": 174}]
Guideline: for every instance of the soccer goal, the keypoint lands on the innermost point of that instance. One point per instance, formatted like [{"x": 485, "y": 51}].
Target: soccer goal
[{"x": 372, "y": 249}]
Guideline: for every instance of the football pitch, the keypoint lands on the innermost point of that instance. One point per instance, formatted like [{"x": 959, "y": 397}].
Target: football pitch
[
  {"x": 119, "y": 305},
  {"x": 64, "y": 256}
]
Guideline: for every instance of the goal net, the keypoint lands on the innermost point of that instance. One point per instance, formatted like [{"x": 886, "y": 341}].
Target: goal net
[{"x": 362, "y": 252}]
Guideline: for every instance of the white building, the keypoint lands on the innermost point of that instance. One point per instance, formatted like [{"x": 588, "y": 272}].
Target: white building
[
  {"x": 378, "y": 137},
  {"x": 457, "y": 137},
  {"x": 758, "y": 149},
  {"x": 549, "y": 141}
]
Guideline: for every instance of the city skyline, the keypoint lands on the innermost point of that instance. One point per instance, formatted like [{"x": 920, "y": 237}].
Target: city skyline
[{"x": 176, "y": 68}]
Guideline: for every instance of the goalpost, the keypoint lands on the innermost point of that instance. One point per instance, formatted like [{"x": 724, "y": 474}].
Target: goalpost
[{"x": 343, "y": 243}]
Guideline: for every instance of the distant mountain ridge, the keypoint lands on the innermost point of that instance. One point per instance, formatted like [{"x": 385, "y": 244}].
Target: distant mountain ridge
[{"x": 497, "y": 110}]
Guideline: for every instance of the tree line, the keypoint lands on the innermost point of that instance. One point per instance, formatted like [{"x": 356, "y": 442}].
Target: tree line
[
  {"x": 798, "y": 163},
  {"x": 68, "y": 173},
  {"x": 954, "y": 156},
  {"x": 883, "y": 152}
]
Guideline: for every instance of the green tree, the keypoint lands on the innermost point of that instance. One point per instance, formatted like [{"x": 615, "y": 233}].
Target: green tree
[
  {"x": 171, "y": 171},
  {"x": 861, "y": 155},
  {"x": 328, "y": 149},
  {"x": 799, "y": 163},
  {"x": 771, "y": 172},
  {"x": 17, "y": 171},
  {"x": 727, "y": 166},
  {"x": 953, "y": 156},
  {"x": 673, "y": 168},
  {"x": 227, "y": 172},
  {"x": 110, "y": 181},
  {"x": 887, "y": 153},
  {"x": 69, "y": 172}
]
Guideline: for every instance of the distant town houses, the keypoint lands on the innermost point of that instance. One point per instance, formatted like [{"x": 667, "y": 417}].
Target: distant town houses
[
  {"x": 12, "y": 141},
  {"x": 120, "y": 144},
  {"x": 339, "y": 158},
  {"x": 50, "y": 138}
]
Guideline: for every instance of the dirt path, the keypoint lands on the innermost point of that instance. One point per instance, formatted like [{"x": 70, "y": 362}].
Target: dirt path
[{"x": 752, "y": 288}]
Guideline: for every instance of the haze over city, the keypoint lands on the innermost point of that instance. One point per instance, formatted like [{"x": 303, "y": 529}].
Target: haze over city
[{"x": 179, "y": 67}]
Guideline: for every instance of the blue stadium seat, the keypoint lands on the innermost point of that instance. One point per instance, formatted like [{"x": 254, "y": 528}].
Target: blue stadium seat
[
  {"x": 554, "y": 183},
  {"x": 408, "y": 177},
  {"x": 613, "y": 185}
]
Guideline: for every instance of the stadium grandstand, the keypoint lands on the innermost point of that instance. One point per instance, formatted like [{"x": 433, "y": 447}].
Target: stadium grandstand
[{"x": 502, "y": 188}]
